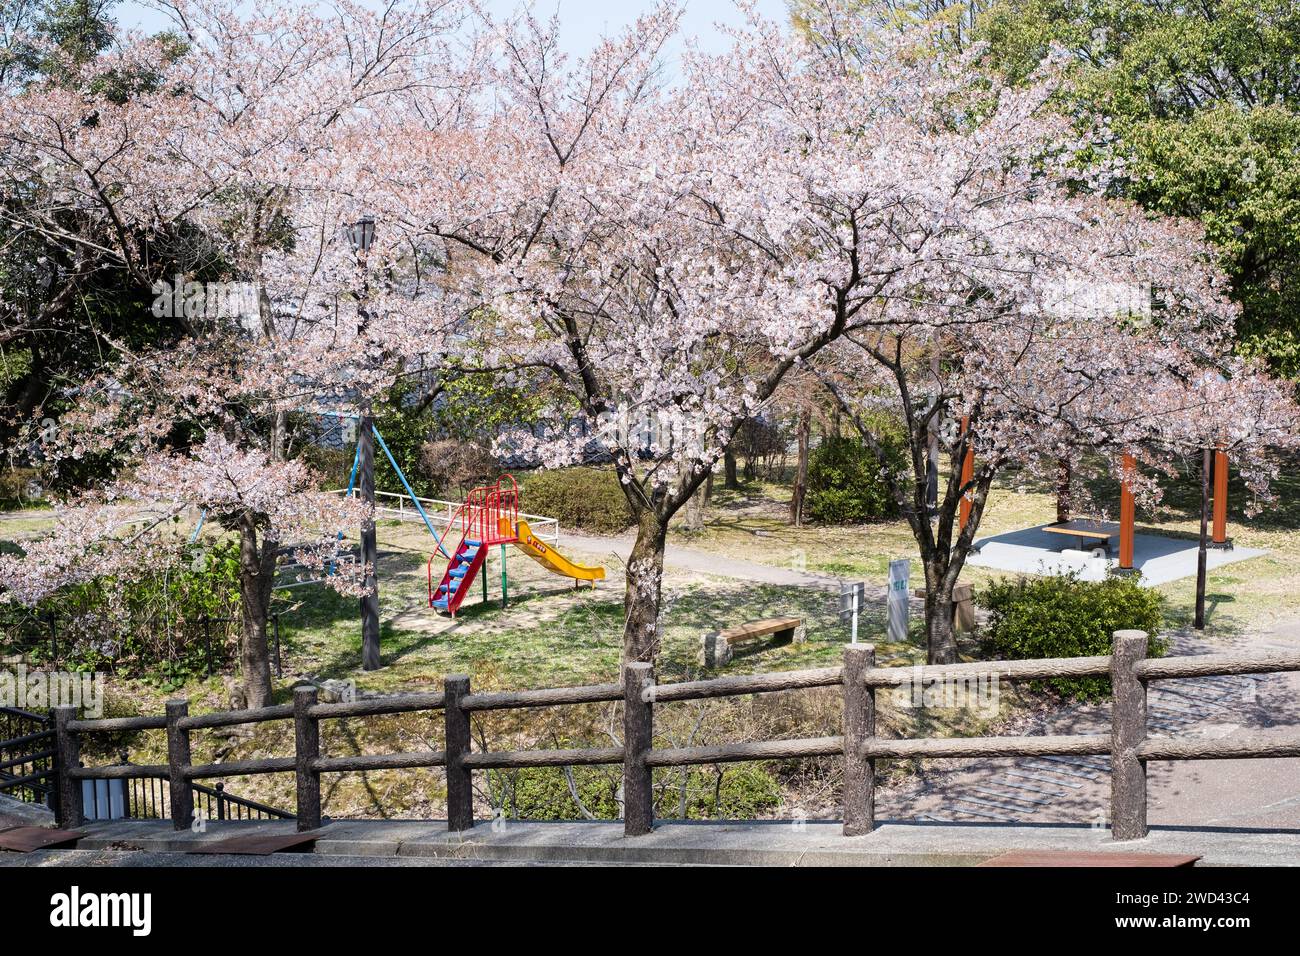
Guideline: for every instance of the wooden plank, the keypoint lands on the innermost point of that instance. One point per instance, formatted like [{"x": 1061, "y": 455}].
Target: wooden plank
[
  {"x": 259, "y": 844},
  {"x": 772, "y": 625},
  {"x": 456, "y": 730},
  {"x": 1029, "y": 669},
  {"x": 771, "y": 682},
  {"x": 27, "y": 839},
  {"x": 1073, "y": 858},
  {"x": 306, "y": 751},
  {"x": 551, "y": 697},
  {"x": 735, "y": 753},
  {"x": 1214, "y": 665},
  {"x": 178, "y": 758}
]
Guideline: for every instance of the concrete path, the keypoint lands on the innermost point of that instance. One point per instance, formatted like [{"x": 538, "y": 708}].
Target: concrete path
[
  {"x": 680, "y": 844},
  {"x": 702, "y": 562}
]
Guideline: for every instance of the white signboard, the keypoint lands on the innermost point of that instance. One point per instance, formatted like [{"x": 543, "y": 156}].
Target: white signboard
[{"x": 898, "y": 595}]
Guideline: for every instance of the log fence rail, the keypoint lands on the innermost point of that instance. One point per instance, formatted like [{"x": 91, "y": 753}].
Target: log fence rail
[{"x": 858, "y": 745}]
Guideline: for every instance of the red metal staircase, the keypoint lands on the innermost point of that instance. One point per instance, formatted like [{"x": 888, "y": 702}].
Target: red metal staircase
[{"x": 481, "y": 524}]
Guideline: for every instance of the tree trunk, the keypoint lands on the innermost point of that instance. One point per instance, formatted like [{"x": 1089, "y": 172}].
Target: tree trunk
[
  {"x": 695, "y": 509},
  {"x": 645, "y": 571},
  {"x": 1063, "y": 475},
  {"x": 730, "y": 479},
  {"x": 256, "y": 573},
  {"x": 940, "y": 639},
  {"x": 800, "y": 491}
]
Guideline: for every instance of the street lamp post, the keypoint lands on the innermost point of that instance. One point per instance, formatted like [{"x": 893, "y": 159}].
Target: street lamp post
[
  {"x": 361, "y": 235},
  {"x": 1199, "y": 622}
]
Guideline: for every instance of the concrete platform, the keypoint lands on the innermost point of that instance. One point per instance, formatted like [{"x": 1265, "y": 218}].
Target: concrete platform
[
  {"x": 1160, "y": 559},
  {"x": 770, "y": 843}
]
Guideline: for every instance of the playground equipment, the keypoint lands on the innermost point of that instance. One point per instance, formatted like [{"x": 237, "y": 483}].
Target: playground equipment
[{"x": 490, "y": 516}]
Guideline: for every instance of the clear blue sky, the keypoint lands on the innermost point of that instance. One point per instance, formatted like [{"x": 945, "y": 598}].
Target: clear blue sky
[{"x": 582, "y": 21}]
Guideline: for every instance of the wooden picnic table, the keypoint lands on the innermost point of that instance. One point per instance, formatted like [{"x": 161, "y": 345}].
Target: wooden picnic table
[{"x": 1086, "y": 529}]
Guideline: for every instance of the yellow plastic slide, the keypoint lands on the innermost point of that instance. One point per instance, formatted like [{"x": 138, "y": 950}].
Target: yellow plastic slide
[{"x": 547, "y": 556}]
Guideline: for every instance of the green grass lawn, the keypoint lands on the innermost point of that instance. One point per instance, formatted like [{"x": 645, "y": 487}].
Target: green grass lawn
[{"x": 551, "y": 635}]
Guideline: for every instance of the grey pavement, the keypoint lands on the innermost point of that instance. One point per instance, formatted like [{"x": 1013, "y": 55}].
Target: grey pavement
[
  {"x": 680, "y": 844},
  {"x": 703, "y": 562}
]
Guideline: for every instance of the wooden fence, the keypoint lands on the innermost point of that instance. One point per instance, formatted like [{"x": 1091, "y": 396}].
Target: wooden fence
[{"x": 1128, "y": 745}]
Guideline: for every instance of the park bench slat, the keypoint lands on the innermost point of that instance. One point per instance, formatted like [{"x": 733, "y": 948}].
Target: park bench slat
[{"x": 771, "y": 625}]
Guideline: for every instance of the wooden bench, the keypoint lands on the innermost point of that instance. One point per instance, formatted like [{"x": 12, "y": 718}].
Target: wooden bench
[
  {"x": 715, "y": 648},
  {"x": 1086, "y": 529}
]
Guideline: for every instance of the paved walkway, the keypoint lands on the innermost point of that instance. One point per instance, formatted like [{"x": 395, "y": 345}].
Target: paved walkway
[
  {"x": 732, "y": 844},
  {"x": 703, "y": 562}
]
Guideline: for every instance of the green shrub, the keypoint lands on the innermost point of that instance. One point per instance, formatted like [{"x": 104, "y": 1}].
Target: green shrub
[
  {"x": 1066, "y": 617},
  {"x": 19, "y": 488},
  {"x": 585, "y": 498},
  {"x": 734, "y": 792},
  {"x": 844, "y": 480},
  {"x": 150, "y": 626}
]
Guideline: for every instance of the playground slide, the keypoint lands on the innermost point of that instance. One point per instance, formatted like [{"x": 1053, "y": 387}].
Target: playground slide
[{"x": 549, "y": 558}]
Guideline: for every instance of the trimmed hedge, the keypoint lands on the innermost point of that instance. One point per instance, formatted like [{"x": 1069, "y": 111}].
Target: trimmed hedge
[
  {"x": 1066, "y": 617},
  {"x": 844, "y": 480},
  {"x": 586, "y": 498}
]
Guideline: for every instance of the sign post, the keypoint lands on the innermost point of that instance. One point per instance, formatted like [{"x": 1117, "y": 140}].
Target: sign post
[
  {"x": 898, "y": 597},
  {"x": 851, "y": 600}
]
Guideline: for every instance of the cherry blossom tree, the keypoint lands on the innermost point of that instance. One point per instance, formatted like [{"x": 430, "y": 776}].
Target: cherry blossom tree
[
  {"x": 236, "y": 165},
  {"x": 1036, "y": 318},
  {"x": 663, "y": 257},
  {"x": 623, "y": 264}
]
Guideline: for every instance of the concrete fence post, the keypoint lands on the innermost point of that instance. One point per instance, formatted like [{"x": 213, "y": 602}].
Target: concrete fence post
[
  {"x": 306, "y": 750},
  {"x": 68, "y": 757},
  {"x": 178, "y": 759},
  {"x": 1128, "y": 772},
  {"x": 460, "y": 781},
  {"x": 859, "y": 727},
  {"x": 638, "y": 737}
]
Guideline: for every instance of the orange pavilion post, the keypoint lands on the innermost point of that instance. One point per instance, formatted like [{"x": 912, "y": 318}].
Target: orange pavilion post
[
  {"x": 1127, "y": 515},
  {"x": 1219, "y": 538}
]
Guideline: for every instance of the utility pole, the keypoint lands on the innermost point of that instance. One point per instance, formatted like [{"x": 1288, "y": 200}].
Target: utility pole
[
  {"x": 362, "y": 235},
  {"x": 369, "y": 545}
]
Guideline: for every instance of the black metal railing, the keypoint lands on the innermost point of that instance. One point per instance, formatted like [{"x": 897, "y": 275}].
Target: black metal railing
[
  {"x": 26, "y": 756},
  {"x": 148, "y": 798}
]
